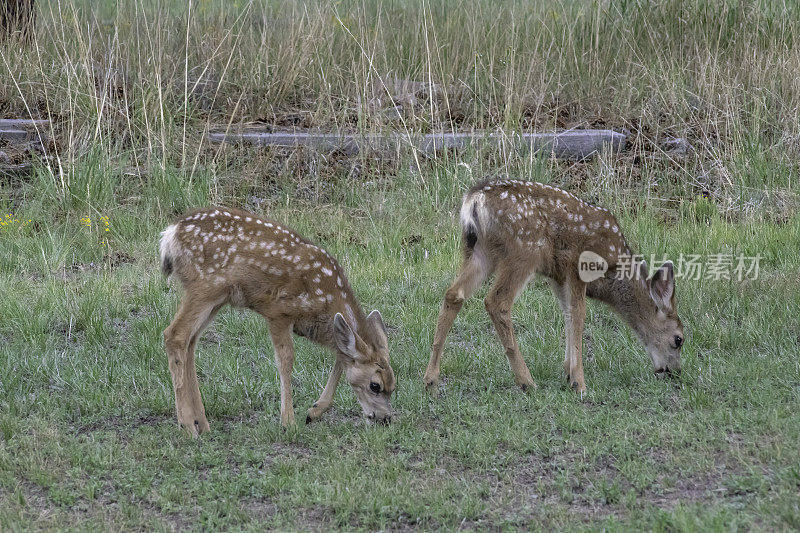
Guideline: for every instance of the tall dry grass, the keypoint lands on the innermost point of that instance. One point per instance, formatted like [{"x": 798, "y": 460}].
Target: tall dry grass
[{"x": 142, "y": 82}]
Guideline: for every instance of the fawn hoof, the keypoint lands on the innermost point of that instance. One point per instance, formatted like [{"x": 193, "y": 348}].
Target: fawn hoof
[
  {"x": 431, "y": 384},
  {"x": 315, "y": 413},
  {"x": 579, "y": 387},
  {"x": 196, "y": 427}
]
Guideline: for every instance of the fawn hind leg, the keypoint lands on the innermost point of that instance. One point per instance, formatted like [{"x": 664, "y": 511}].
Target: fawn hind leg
[
  {"x": 509, "y": 282},
  {"x": 191, "y": 374},
  {"x": 474, "y": 271},
  {"x": 180, "y": 339}
]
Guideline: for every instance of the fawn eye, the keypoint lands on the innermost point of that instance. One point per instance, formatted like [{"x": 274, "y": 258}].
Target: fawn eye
[
  {"x": 375, "y": 387},
  {"x": 678, "y": 340}
]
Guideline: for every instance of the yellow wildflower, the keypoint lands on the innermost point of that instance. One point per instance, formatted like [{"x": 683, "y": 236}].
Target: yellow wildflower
[{"x": 10, "y": 220}]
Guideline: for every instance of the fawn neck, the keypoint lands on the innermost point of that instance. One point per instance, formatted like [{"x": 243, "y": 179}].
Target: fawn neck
[
  {"x": 319, "y": 328},
  {"x": 627, "y": 296}
]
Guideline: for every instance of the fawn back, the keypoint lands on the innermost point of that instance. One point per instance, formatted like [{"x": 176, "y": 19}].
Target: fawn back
[{"x": 538, "y": 224}]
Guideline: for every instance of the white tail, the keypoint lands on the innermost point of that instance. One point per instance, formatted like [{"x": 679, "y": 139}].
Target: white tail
[
  {"x": 226, "y": 256},
  {"x": 514, "y": 230},
  {"x": 168, "y": 246}
]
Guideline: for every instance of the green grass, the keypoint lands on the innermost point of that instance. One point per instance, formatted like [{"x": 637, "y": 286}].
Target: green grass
[
  {"x": 87, "y": 431},
  {"x": 88, "y": 437}
]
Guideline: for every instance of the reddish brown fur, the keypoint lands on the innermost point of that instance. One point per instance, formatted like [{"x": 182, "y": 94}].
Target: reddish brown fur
[
  {"x": 226, "y": 256},
  {"x": 515, "y": 230}
]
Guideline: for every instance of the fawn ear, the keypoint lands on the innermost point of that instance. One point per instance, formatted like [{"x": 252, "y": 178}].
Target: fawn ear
[
  {"x": 344, "y": 337},
  {"x": 375, "y": 321},
  {"x": 642, "y": 270},
  {"x": 662, "y": 286}
]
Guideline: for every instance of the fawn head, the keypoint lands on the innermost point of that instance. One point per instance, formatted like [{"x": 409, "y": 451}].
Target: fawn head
[
  {"x": 662, "y": 329},
  {"x": 365, "y": 355}
]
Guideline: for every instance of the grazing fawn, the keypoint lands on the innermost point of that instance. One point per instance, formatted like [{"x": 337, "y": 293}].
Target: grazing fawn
[
  {"x": 515, "y": 229},
  {"x": 226, "y": 256}
]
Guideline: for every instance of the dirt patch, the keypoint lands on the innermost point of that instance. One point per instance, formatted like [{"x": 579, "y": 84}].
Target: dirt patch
[
  {"x": 120, "y": 424},
  {"x": 255, "y": 176},
  {"x": 108, "y": 262},
  {"x": 688, "y": 489},
  {"x": 259, "y": 509},
  {"x": 82, "y": 268},
  {"x": 116, "y": 259},
  {"x": 176, "y": 521},
  {"x": 71, "y": 334},
  {"x": 601, "y": 489},
  {"x": 291, "y": 449},
  {"x": 410, "y": 240},
  {"x": 314, "y": 519},
  {"x": 34, "y": 499}
]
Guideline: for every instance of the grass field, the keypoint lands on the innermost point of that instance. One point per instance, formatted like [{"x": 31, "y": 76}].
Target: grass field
[{"x": 88, "y": 438}]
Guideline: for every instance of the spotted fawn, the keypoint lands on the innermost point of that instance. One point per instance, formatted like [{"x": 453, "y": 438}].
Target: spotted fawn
[
  {"x": 514, "y": 230},
  {"x": 226, "y": 256}
]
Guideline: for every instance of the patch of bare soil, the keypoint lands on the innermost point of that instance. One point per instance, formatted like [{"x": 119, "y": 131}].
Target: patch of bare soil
[
  {"x": 72, "y": 335},
  {"x": 43, "y": 512},
  {"x": 34, "y": 499},
  {"x": 116, "y": 259},
  {"x": 259, "y": 508},
  {"x": 599, "y": 491},
  {"x": 175, "y": 521},
  {"x": 540, "y": 483},
  {"x": 688, "y": 489},
  {"x": 410, "y": 240},
  {"x": 249, "y": 176},
  {"x": 280, "y": 450},
  {"x": 121, "y": 424},
  {"x": 314, "y": 519},
  {"x": 110, "y": 261}
]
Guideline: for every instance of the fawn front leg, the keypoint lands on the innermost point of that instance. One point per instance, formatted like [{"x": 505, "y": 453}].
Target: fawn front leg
[
  {"x": 574, "y": 319},
  {"x": 324, "y": 403},
  {"x": 281, "y": 333}
]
